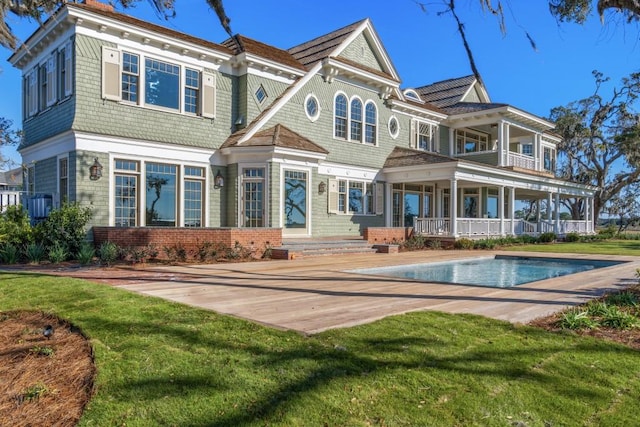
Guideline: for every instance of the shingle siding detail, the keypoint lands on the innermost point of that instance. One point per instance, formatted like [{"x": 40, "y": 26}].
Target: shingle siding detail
[{"x": 361, "y": 51}]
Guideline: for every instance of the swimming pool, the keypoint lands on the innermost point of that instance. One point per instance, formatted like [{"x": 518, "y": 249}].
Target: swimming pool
[{"x": 500, "y": 271}]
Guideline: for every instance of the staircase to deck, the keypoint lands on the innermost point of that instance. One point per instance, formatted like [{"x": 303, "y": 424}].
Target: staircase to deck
[{"x": 300, "y": 248}]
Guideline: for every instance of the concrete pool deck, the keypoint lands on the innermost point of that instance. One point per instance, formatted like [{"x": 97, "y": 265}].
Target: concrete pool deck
[{"x": 315, "y": 294}]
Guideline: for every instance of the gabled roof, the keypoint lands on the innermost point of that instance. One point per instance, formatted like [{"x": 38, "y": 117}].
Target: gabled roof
[
  {"x": 315, "y": 50},
  {"x": 447, "y": 92},
  {"x": 401, "y": 156},
  {"x": 278, "y": 136},
  {"x": 240, "y": 44},
  {"x": 11, "y": 178}
]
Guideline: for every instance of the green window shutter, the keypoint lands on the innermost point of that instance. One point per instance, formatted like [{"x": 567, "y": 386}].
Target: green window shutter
[
  {"x": 208, "y": 95},
  {"x": 111, "y": 74},
  {"x": 333, "y": 196},
  {"x": 379, "y": 186}
]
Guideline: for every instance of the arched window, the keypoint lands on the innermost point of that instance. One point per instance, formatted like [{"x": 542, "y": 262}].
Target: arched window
[
  {"x": 340, "y": 117},
  {"x": 356, "y": 120},
  {"x": 371, "y": 120}
]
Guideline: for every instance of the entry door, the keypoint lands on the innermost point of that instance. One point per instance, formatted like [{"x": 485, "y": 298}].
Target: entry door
[{"x": 295, "y": 203}]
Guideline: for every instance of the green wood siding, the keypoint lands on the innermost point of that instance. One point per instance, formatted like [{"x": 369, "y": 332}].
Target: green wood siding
[
  {"x": 96, "y": 115},
  {"x": 361, "y": 51}
]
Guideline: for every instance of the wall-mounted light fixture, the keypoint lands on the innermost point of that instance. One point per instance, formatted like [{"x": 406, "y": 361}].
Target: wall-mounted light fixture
[
  {"x": 322, "y": 187},
  {"x": 218, "y": 181},
  {"x": 95, "y": 171}
]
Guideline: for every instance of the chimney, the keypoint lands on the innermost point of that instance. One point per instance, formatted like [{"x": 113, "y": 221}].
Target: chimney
[{"x": 97, "y": 4}]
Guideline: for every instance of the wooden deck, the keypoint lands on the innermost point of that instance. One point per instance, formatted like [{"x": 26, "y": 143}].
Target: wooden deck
[{"x": 314, "y": 294}]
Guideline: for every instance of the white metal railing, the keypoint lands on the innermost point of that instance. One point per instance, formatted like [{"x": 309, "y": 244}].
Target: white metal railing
[
  {"x": 521, "y": 161},
  {"x": 575, "y": 226},
  {"x": 9, "y": 198},
  {"x": 524, "y": 227},
  {"x": 432, "y": 226}
]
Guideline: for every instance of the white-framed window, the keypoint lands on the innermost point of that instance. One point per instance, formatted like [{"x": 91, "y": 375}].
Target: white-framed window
[
  {"x": 394, "y": 127},
  {"x": 355, "y": 120},
  {"x": 165, "y": 195},
  {"x": 253, "y": 197},
  {"x": 340, "y": 116},
  {"x": 549, "y": 159},
  {"x": 312, "y": 107},
  {"x": 192, "y": 91},
  {"x": 412, "y": 95},
  {"x": 424, "y": 135},
  {"x": 371, "y": 123},
  {"x": 470, "y": 202},
  {"x": 261, "y": 94},
  {"x": 469, "y": 141},
  {"x": 31, "y": 93},
  {"x": 355, "y": 197},
  {"x": 43, "y": 81},
  {"x": 65, "y": 70},
  {"x": 63, "y": 178},
  {"x": 157, "y": 83},
  {"x": 526, "y": 149}
]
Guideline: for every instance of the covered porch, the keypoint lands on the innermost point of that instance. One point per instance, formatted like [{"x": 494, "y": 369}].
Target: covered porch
[{"x": 447, "y": 197}]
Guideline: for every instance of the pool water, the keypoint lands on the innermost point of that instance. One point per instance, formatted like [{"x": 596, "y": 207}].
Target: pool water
[{"x": 496, "y": 272}]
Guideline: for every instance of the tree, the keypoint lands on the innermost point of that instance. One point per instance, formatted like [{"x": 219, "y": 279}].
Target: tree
[
  {"x": 601, "y": 142},
  {"x": 8, "y": 136},
  {"x": 40, "y": 9},
  {"x": 626, "y": 207}
]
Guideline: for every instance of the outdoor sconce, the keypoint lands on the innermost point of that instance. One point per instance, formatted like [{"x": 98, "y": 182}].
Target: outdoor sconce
[
  {"x": 322, "y": 187},
  {"x": 218, "y": 181},
  {"x": 95, "y": 171}
]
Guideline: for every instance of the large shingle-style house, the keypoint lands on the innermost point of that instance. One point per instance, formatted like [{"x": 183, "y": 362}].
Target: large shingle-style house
[{"x": 317, "y": 140}]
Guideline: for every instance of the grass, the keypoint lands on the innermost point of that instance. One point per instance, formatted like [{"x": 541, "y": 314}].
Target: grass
[
  {"x": 162, "y": 363},
  {"x": 602, "y": 247}
]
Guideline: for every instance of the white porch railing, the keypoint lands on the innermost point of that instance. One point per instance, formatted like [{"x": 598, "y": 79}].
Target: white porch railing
[
  {"x": 521, "y": 161},
  {"x": 9, "y": 198},
  {"x": 491, "y": 227},
  {"x": 432, "y": 226}
]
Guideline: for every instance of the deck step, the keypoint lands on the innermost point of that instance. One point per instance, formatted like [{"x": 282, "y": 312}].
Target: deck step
[{"x": 299, "y": 248}]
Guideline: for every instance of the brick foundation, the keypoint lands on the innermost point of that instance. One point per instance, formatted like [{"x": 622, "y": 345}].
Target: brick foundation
[
  {"x": 386, "y": 235},
  {"x": 254, "y": 239}
]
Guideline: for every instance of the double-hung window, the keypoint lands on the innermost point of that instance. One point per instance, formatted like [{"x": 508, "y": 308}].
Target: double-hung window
[
  {"x": 371, "y": 120},
  {"x": 63, "y": 178},
  {"x": 191, "y": 91},
  {"x": 355, "y": 197},
  {"x": 126, "y": 176},
  {"x": 340, "y": 117},
  {"x": 424, "y": 136},
  {"x": 130, "y": 77},
  {"x": 549, "y": 159},
  {"x": 354, "y": 120}
]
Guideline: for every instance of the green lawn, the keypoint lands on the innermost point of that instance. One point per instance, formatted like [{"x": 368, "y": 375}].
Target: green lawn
[
  {"x": 606, "y": 247},
  {"x": 161, "y": 363}
]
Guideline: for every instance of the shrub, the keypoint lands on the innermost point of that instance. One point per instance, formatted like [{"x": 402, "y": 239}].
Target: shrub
[
  {"x": 15, "y": 227},
  {"x": 415, "y": 242},
  {"x": 597, "y": 308},
  {"x": 484, "y": 244},
  {"x": 619, "y": 319},
  {"x": 134, "y": 254},
  {"x": 58, "y": 254},
  {"x": 86, "y": 253},
  {"x": 9, "y": 253},
  {"x": 547, "y": 237},
  {"x": 527, "y": 239},
  {"x": 463, "y": 243},
  {"x": 176, "y": 253},
  {"x": 34, "y": 252},
  {"x": 434, "y": 244},
  {"x": 577, "y": 319},
  {"x": 64, "y": 227},
  {"x": 624, "y": 298},
  {"x": 108, "y": 253},
  {"x": 572, "y": 237}
]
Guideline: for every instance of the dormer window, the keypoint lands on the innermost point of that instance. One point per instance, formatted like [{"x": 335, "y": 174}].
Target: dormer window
[
  {"x": 412, "y": 95},
  {"x": 424, "y": 136}
]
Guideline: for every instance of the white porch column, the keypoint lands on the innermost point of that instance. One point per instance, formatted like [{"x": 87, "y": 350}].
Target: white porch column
[
  {"x": 388, "y": 206},
  {"x": 501, "y": 209},
  {"x": 512, "y": 209},
  {"x": 593, "y": 215},
  {"x": 556, "y": 210},
  {"x": 538, "y": 211},
  {"x": 503, "y": 135},
  {"x": 453, "y": 211},
  {"x": 452, "y": 141},
  {"x": 549, "y": 207},
  {"x": 537, "y": 150},
  {"x": 586, "y": 213}
]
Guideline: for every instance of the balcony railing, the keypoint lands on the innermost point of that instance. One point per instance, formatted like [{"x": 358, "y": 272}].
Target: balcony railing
[{"x": 522, "y": 161}]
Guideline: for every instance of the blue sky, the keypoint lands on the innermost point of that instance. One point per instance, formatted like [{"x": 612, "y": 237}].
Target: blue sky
[{"x": 424, "y": 47}]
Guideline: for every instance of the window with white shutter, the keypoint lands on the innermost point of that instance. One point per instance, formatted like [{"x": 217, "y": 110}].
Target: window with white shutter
[
  {"x": 208, "y": 95},
  {"x": 110, "y": 73}
]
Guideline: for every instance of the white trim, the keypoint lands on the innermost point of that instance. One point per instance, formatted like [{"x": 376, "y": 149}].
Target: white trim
[
  {"x": 308, "y": 201},
  {"x": 348, "y": 172},
  {"x": 240, "y": 192},
  {"x": 393, "y": 136}
]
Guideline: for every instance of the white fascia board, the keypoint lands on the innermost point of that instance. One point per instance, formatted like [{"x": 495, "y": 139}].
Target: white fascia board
[
  {"x": 141, "y": 149},
  {"x": 348, "y": 171},
  {"x": 41, "y": 35},
  {"x": 336, "y": 63},
  {"x": 530, "y": 117},
  {"x": 485, "y": 115},
  {"x": 261, "y": 64},
  {"x": 410, "y": 109},
  {"x": 289, "y": 152},
  {"x": 281, "y": 102},
  {"x": 117, "y": 29},
  {"x": 61, "y": 143}
]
